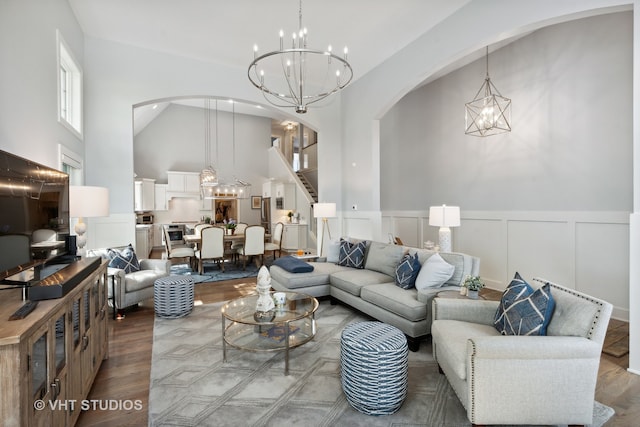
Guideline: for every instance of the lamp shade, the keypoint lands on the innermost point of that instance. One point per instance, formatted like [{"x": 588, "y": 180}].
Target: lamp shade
[
  {"x": 444, "y": 216},
  {"x": 87, "y": 201},
  {"x": 324, "y": 210}
]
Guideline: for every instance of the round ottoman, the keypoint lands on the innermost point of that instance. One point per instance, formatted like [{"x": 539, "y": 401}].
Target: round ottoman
[
  {"x": 373, "y": 358},
  {"x": 173, "y": 296}
]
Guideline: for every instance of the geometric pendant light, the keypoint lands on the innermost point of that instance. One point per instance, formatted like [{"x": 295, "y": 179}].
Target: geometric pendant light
[{"x": 489, "y": 113}]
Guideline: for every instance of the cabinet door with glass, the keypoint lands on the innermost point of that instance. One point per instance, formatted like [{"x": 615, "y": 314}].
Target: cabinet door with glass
[{"x": 48, "y": 366}]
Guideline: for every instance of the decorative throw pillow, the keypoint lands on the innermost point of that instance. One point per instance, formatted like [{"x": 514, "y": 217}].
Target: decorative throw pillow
[
  {"x": 434, "y": 273},
  {"x": 125, "y": 260},
  {"x": 523, "y": 311},
  {"x": 352, "y": 254},
  {"x": 333, "y": 251},
  {"x": 407, "y": 271}
]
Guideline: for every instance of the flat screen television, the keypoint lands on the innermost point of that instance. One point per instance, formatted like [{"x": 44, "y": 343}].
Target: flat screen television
[{"x": 34, "y": 215}]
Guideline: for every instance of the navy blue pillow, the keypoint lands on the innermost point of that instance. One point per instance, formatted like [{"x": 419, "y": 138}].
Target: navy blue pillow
[
  {"x": 125, "y": 260},
  {"x": 293, "y": 265},
  {"x": 407, "y": 271},
  {"x": 523, "y": 311},
  {"x": 352, "y": 254}
]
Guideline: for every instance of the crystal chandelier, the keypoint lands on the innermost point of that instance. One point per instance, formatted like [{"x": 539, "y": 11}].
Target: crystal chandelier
[
  {"x": 233, "y": 189},
  {"x": 489, "y": 113},
  {"x": 298, "y": 76}
]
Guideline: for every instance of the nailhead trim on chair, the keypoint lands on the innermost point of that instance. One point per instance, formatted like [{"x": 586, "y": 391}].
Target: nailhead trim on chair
[{"x": 579, "y": 295}]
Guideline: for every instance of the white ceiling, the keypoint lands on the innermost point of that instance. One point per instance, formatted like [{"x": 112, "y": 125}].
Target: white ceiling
[{"x": 225, "y": 31}]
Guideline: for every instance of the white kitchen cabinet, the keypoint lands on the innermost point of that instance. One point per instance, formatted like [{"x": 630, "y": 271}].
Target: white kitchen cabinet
[
  {"x": 144, "y": 241},
  {"x": 157, "y": 236},
  {"x": 294, "y": 236},
  {"x": 144, "y": 195},
  {"x": 268, "y": 189},
  {"x": 285, "y": 195},
  {"x": 161, "y": 202},
  {"x": 183, "y": 184}
]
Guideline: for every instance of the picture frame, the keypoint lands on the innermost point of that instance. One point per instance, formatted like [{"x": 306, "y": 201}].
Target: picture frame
[{"x": 256, "y": 202}]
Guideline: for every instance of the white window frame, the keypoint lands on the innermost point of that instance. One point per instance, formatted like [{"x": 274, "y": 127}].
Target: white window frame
[
  {"x": 70, "y": 100},
  {"x": 71, "y": 162}
]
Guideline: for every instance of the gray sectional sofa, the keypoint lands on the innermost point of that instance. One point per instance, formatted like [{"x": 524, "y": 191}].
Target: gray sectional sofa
[{"x": 372, "y": 289}]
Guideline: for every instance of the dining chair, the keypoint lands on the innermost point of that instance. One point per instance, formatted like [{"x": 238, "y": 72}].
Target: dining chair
[
  {"x": 198, "y": 228},
  {"x": 240, "y": 227},
  {"x": 178, "y": 249},
  {"x": 211, "y": 248},
  {"x": 253, "y": 244},
  {"x": 276, "y": 241}
]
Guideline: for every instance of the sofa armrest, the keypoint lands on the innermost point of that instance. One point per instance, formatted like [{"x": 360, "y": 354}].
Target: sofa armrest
[
  {"x": 163, "y": 265},
  {"x": 466, "y": 310},
  {"x": 532, "y": 347}
]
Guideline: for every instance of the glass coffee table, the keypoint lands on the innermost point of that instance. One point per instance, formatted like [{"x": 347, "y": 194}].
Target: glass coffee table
[{"x": 288, "y": 326}]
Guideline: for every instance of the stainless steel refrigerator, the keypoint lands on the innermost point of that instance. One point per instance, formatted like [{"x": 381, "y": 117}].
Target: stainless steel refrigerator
[{"x": 265, "y": 214}]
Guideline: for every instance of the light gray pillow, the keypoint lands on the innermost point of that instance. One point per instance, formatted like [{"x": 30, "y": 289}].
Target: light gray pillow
[
  {"x": 434, "y": 273},
  {"x": 383, "y": 258},
  {"x": 333, "y": 251}
]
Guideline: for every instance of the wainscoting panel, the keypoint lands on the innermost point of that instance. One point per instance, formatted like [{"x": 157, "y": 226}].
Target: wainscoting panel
[
  {"x": 112, "y": 231},
  {"x": 602, "y": 262},
  {"x": 587, "y": 251},
  {"x": 486, "y": 237}
]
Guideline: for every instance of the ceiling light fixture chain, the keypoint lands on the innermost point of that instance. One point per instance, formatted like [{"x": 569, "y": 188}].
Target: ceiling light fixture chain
[
  {"x": 299, "y": 77},
  {"x": 489, "y": 113}
]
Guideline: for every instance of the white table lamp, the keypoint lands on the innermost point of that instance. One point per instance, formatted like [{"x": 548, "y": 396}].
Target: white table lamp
[
  {"x": 444, "y": 217},
  {"x": 324, "y": 211},
  {"x": 87, "y": 202}
]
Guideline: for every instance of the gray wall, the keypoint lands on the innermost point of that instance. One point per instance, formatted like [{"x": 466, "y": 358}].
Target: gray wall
[
  {"x": 571, "y": 144},
  {"x": 175, "y": 141}
]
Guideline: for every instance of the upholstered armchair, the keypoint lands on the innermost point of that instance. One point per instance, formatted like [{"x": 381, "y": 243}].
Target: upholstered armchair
[
  {"x": 503, "y": 379},
  {"x": 134, "y": 287}
]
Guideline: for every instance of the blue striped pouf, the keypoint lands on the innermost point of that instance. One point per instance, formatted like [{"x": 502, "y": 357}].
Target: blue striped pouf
[
  {"x": 173, "y": 296},
  {"x": 373, "y": 358}
]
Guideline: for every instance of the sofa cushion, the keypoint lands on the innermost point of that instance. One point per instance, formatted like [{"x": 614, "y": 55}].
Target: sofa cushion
[
  {"x": 352, "y": 280},
  {"x": 293, "y": 265},
  {"x": 383, "y": 258},
  {"x": 451, "y": 337},
  {"x": 407, "y": 271},
  {"x": 403, "y": 302},
  {"x": 142, "y": 279},
  {"x": 319, "y": 275},
  {"x": 125, "y": 259},
  {"x": 352, "y": 254},
  {"x": 434, "y": 273}
]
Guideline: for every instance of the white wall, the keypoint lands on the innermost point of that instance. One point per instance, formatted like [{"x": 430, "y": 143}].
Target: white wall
[{"x": 28, "y": 78}]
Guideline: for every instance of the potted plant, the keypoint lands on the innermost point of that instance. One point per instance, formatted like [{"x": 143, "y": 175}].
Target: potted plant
[
  {"x": 473, "y": 285},
  {"x": 290, "y": 215},
  {"x": 230, "y": 226}
]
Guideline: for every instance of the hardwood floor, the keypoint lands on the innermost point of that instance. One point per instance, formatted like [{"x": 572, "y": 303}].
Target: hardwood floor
[{"x": 124, "y": 376}]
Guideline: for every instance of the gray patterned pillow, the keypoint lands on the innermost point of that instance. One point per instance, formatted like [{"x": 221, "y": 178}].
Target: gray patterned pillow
[
  {"x": 523, "y": 311},
  {"x": 407, "y": 271},
  {"x": 125, "y": 260},
  {"x": 352, "y": 254}
]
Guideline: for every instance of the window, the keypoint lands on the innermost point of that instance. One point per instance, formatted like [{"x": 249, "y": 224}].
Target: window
[
  {"x": 71, "y": 164},
  {"x": 69, "y": 89}
]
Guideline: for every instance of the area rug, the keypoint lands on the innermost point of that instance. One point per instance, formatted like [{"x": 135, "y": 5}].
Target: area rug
[
  {"x": 191, "y": 385},
  {"x": 213, "y": 273}
]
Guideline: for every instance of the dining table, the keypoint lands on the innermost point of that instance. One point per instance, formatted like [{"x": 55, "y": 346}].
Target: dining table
[{"x": 231, "y": 238}]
